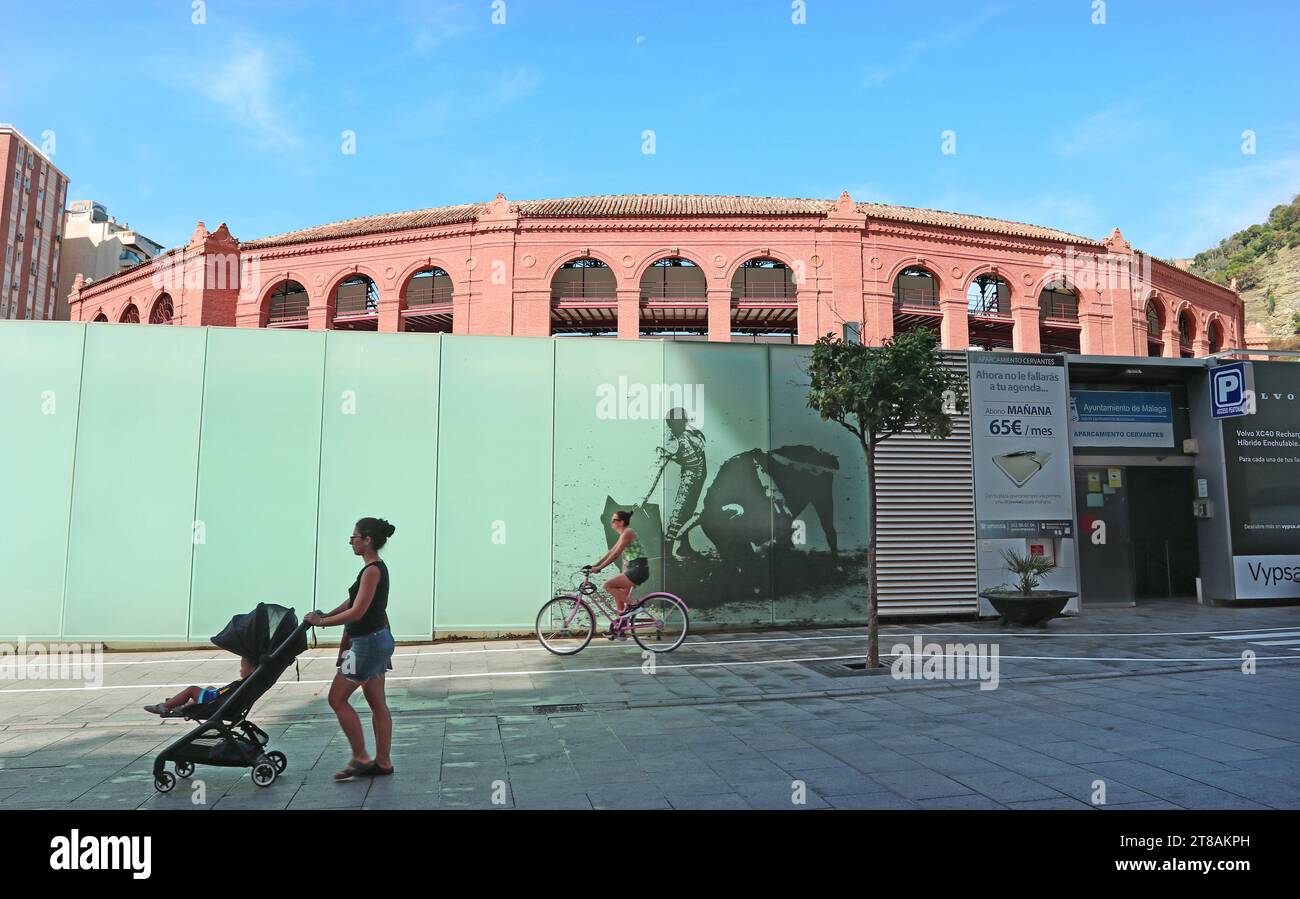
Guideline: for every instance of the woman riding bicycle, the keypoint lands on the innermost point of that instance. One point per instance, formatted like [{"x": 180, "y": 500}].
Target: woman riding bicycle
[{"x": 636, "y": 567}]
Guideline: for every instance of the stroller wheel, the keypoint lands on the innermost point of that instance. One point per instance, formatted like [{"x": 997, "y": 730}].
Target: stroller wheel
[
  {"x": 264, "y": 773},
  {"x": 279, "y": 759},
  {"x": 164, "y": 782},
  {"x": 184, "y": 769}
]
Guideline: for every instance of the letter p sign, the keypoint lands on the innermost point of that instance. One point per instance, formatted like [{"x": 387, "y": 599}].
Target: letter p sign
[
  {"x": 1230, "y": 386},
  {"x": 1227, "y": 388}
]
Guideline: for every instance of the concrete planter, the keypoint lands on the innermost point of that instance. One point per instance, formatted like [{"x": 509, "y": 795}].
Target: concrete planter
[{"x": 1035, "y": 608}]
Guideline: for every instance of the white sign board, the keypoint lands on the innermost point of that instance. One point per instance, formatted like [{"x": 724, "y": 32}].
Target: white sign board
[{"x": 1020, "y": 432}]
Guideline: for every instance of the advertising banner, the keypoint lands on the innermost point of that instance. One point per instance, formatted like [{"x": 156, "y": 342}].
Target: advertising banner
[
  {"x": 1019, "y": 422},
  {"x": 1122, "y": 418},
  {"x": 1262, "y": 454}
]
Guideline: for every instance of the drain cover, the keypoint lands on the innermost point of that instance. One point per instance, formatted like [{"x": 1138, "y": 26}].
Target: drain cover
[
  {"x": 564, "y": 707},
  {"x": 845, "y": 669}
]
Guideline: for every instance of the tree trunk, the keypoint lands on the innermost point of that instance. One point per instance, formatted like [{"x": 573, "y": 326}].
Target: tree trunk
[{"x": 873, "y": 595}]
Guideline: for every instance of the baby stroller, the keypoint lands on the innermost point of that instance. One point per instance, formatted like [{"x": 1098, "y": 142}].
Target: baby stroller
[{"x": 272, "y": 636}]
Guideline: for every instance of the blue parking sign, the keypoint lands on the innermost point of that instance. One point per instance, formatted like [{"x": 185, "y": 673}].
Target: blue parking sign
[{"x": 1231, "y": 387}]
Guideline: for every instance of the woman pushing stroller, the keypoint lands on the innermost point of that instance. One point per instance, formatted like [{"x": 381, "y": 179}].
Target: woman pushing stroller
[{"x": 365, "y": 617}]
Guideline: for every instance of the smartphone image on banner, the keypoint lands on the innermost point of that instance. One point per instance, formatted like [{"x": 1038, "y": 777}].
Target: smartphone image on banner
[{"x": 1021, "y": 465}]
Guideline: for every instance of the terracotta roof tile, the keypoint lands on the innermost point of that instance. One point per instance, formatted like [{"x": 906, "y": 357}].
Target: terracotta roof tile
[
  {"x": 651, "y": 205},
  {"x": 374, "y": 224}
]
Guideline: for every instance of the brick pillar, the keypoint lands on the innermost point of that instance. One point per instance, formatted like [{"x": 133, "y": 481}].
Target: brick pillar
[
  {"x": 74, "y": 299},
  {"x": 494, "y": 298},
  {"x": 1123, "y": 277},
  {"x": 1025, "y": 336},
  {"x": 1201, "y": 345},
  {"x": 1091, "y": 334},
  {"x": 878, "y": 312},
  {"x": 390, "y": 314},
  {"x": 629, "y": 313},
  {"x": 809, "y": 309},
  {"x": 317, "y": 313},
  {"x": 1172, "y": 348},
  {"x": 532, "y": 312},
  {"x": 720, "y": 314},
  {"x": 205, "y": 282},
  {"x": 840, "y": 244},
  {"x": 954, "y": 331},
  {"x": 459, "y": 310}
]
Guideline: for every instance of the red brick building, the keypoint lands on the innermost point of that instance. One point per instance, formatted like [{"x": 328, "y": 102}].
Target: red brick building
[
  {"x": 719, "y": 268},
  {"x": 32, "y": 194}
]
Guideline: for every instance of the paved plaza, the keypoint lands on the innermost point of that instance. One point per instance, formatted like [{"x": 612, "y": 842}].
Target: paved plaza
[{"x": 1148, "y": 706}]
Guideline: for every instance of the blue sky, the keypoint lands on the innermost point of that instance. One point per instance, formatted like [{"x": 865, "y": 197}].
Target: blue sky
[{"x": 1136, "y": 122}]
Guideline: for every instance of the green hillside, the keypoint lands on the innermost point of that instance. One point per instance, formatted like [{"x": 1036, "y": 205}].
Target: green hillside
[{"x": 1265, "y": 260}]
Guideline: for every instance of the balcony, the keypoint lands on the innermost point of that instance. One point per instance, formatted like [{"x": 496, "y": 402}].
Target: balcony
[
  {"x": 428, "y": 308},
  {"x": 918, "y": 298},
  {"x": 579, "y": 309},
  {"x": 988, "y": 308},
  {"x": 356, "y": 309},
  {"x": 287, "y": 312}
]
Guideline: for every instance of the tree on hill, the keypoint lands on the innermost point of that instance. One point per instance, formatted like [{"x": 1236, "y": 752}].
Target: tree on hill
[{"x": 1239, "y": 256}]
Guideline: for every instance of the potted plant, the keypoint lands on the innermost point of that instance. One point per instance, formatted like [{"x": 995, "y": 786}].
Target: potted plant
[{"x": 1023, "y": 603}]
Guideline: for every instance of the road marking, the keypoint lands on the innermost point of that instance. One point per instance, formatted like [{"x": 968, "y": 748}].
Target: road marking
[
  {"x": 1259, "y": 635},
  {"x": 1233, "y": 661},
  {"x": 1239, "y": 634}
]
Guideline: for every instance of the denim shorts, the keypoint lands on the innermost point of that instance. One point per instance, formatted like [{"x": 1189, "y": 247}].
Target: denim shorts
[
  {"x": 368, "y": 656},
  {"x": 638, "y": 570}
]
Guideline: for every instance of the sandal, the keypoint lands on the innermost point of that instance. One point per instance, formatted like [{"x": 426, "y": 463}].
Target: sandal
[
  {"x": 355, "y": 769},
  {"x": 157, "y": 708},
  {"x": 382, "y": 772}
]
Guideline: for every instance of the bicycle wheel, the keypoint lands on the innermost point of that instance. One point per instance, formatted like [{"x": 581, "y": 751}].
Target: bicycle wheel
[
  {"x": 565, "y": 625},
  {"x": 661, "y": 623}
]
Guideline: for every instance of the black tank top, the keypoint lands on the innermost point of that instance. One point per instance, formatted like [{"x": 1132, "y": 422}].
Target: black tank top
[{"x": 376, "y": 617}]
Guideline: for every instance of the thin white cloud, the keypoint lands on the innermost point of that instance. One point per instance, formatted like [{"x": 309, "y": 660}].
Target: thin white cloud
[
  {"x": 515, "y": 85},
  {"x": 246, "y": 86},
  {"x": 921, "y": 49},
  {"x": 1117, "y": 125},
  {"x": 433, "y": 24}
]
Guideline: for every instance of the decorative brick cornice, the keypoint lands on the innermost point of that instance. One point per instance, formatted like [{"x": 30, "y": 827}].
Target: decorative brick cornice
[
  {"x": 134, "y": 274},
  {"x": 980, "y": 239},
  {"x": 1204, "y": 286}
]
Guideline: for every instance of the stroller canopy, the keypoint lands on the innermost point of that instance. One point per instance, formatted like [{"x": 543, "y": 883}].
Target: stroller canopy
[{"x": 254, "y": 635}]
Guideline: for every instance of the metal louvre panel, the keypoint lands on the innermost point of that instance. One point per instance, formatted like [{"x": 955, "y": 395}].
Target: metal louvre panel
[{"x": 925, "y": 553}]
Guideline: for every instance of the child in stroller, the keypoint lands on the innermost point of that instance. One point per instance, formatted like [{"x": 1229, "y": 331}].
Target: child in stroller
[
  {"x": 192, "y": 696},
  {"x": 271, "y": 636}
]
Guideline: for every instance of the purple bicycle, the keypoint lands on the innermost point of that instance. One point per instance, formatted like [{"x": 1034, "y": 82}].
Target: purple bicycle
[{"x": 657, "y": 623}]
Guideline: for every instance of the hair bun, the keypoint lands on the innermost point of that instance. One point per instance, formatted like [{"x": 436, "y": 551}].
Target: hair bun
[{"x": 389, "y": 529}]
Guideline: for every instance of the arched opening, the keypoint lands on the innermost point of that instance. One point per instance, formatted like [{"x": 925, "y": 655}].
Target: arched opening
[
  {"x": 1155, "y": 329},
  {"x": 584, "y": 299},
  {"x": 130, "y": 315},
  {"x": 674, "y": 299},
  {"x": 1214, "y": 334},
  {"x": 1186, "y": 334},
  {"x": 764, "y": 304},
  {"x": 427, "y": 301},
  {"x": 286, "y": 305},
  {"x": 988, "y": 308},
  {"x": 356, "y": 304},
  {"x": 916, "y": 300},
  {"x": 162, "y": 311},
  {"x": 1058, "y": 319},
  {"x": 100, "y": 318}
]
